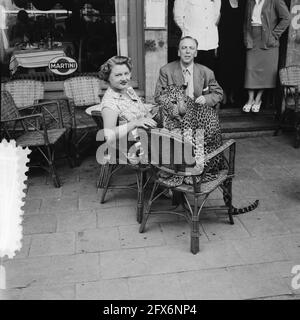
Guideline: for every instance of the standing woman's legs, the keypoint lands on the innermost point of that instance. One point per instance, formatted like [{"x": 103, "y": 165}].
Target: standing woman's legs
[
  {"x": 257, "y": 103},
  {"x": 258, "y": 96},
  {"x": 250, "y": 96},
  {"x": 254, "y": 78},
  {"x": 247, "y": 107}
]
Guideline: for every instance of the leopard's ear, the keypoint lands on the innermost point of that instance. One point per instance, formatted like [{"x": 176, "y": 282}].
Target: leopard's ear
[{"x": 183, "y": 87}]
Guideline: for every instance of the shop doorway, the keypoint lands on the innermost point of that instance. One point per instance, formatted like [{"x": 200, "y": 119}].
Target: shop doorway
[
  {"x": 230, "y": 60},
  {"x": 229, "y": 66}
]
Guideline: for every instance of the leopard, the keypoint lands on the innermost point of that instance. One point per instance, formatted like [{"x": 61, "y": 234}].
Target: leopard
[{"x": 181, "y": 114}]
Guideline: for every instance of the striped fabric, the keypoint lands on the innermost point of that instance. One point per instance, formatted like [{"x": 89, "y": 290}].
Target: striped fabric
[{"x": 33, "y": 58}]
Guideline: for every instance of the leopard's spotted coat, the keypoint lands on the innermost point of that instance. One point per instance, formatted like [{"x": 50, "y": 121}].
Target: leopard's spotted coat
[{"x": 180, "y": 113}]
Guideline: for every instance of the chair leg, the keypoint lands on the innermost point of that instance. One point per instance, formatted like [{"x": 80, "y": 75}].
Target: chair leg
[
  {"x": 229, "y": 190},
  {"x": 195, "y": 228},
  {"x": 297, "y": 129},
  {"x": 67, "y": 147},
  {"x": 140, "y": 202},
  {"x": 52, "y": 168},
  {"x": 102, "y": 176},
  {"x": 146, "y": 212},
  {"x": 109, "y": 169},
  {"x": 75, "y": 146},
  {"x": 72, "y": 148},
  {"x": 77, "y": 157},
  {"x": 282, "y": 120}
]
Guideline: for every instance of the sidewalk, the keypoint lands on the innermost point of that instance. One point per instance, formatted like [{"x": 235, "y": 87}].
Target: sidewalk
[{"x": 76, "y": 248}]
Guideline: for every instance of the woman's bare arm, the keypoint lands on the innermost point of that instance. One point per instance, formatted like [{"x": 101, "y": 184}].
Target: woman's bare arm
[{"x": 113, "y": 132}]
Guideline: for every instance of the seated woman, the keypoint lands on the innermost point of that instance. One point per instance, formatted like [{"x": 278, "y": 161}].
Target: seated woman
[{"x": 120, "y": 101}]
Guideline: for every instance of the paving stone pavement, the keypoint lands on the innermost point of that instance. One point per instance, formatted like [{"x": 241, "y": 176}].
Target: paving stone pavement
[{"x": 76, "y": 248}]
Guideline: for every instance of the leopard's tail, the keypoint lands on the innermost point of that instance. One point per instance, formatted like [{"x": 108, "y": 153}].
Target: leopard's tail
[{"x": 236, "y": 211}]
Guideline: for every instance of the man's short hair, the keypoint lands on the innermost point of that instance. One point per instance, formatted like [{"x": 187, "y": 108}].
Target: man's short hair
[{"x": 187, "y": 37}]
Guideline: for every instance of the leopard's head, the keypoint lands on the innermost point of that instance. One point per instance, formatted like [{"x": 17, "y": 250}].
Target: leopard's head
[{"x": 173, "y": 101}]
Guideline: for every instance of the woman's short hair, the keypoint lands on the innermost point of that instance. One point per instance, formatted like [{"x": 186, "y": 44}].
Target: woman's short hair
[{"x": 106, "y": 68}]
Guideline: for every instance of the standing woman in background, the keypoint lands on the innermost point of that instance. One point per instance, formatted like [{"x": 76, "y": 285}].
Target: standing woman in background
[{"x": 265, "y": 21}]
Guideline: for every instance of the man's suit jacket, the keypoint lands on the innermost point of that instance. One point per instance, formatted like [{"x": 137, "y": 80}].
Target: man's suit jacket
[{"x": 204, "y": 81}]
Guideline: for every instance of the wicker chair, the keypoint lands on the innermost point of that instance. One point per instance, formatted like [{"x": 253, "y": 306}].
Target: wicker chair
[
  {"x": 82, "y": 92},
  {"x": 290, "y": 113},
  {"x": 167, "y": 147},
  {"x": 25, "y": 92},
  {"x": 35, "y": 133},
  {"x": 28, "y": 96},
  {"x": 110, "y": 168}
]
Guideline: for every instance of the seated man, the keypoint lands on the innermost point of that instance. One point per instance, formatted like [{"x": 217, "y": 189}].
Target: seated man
[{"x": 201, "y": 84}]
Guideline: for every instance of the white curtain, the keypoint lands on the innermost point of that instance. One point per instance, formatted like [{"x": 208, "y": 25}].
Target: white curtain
[{"x": 122, "y": 26}]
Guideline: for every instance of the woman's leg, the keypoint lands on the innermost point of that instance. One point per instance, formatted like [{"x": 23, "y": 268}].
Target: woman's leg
[
  {"x": 258, "y": 96},
  {"x": 257, "y": 103},
  {"x": 250, "y": 96},
  {"x": 247, "y": 107}
]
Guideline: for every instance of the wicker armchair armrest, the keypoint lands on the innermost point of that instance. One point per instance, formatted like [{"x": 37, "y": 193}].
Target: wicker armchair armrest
[
  {"x": 231, "y": 144},
  {"x": 290, "y": 85},
  {"x": 195, "y": 171},
  {"x": 71, "y": 109},
  {"x": 60, "y": 118},
  {"x": 24, "y": 119},
  {"x": 34, "y": 116},
  {"x": 191, "y": 171},
  {"x": 37, "y": 115},
  {"x": 223, "y": 147},
  {"x": 39, "y": 104}
]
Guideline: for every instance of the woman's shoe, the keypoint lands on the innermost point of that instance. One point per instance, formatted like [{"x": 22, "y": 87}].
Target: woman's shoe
[
  {"x": 255, "y": 107},
  {"x": 247, "y": 107}
]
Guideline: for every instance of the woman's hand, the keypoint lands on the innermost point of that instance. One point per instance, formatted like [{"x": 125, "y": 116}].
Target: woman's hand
[{"x": 145, "y": 123}]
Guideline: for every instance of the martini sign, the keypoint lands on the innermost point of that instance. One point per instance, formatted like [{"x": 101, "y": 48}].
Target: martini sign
[{"x": 62, "y": 65}]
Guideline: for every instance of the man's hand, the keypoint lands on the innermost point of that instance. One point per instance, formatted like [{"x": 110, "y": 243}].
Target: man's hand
[{"x": 201, "y": 100}]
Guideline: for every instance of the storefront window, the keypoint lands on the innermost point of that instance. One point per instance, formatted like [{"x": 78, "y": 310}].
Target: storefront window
[{"x": 83, "y": 29}]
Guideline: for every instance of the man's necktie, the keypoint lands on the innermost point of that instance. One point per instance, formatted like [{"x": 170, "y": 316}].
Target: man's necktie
[{"x": 187, "y": 81}]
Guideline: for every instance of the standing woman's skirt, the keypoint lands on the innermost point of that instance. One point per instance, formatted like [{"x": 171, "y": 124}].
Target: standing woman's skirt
[{"x": 261, "y": 64}]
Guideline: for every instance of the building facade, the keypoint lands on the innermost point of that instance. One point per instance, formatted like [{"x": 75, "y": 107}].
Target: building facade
[{"x": 91, "y": 31}]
